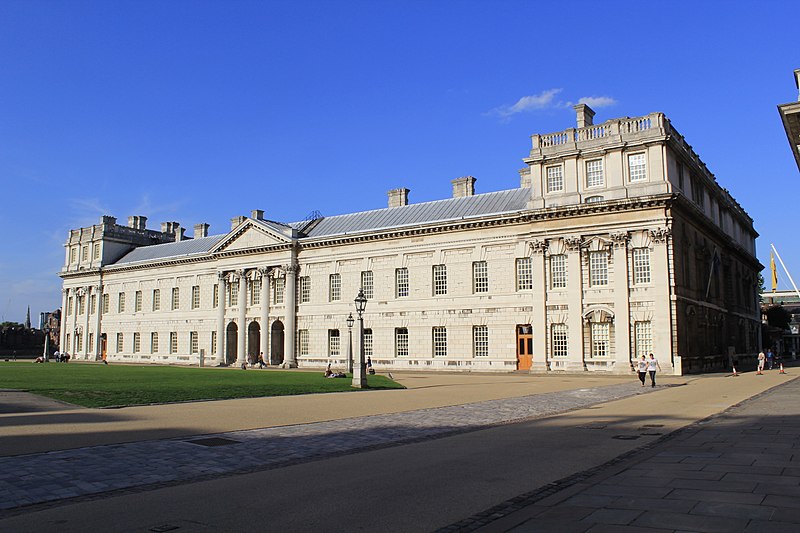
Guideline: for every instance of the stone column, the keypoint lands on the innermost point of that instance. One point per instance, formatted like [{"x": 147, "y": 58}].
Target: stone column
[
  {"x": 72, "y": 349},
  {"x": 98, "y": 296},
  {"x": 221, "y": 293},
  {"x": 86, "y": 322},
  {"x": 289, "y": 356},
  {"x": 622, "y": 314},
  {"x": 241, "y": 345},
  {"x": 574, "y": 361},
  {"x": 663, "y": 322},
  {"x": 264, "y": 313},
  {"x": 539, "y": 273},
  {"x": 62, "y": 336}
]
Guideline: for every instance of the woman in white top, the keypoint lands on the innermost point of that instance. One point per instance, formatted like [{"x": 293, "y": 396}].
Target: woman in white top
[
  {"x": 652, "y": 365},
  {"x": 642, "y": 367}
]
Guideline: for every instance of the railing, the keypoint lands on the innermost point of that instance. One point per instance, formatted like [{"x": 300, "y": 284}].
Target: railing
[
  {"x": 554, "y": 139},
  {"x": 623, "y": 126}
]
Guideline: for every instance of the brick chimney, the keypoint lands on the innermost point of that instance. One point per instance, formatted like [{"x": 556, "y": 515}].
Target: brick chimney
[
  {"x": 201, "y": 230},
  {"x": 464, "y": 186},
  {"x": 585, "y": 115},
  {"x": 398, "y": 197}
]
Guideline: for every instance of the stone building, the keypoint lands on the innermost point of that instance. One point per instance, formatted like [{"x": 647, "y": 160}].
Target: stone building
[{"x": 618, "y": 242}]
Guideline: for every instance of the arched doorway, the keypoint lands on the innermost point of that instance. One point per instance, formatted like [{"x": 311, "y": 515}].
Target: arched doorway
[
  {"x": 231, "y": 333},
  {"x": 253, "y": 341},
  {"x": 276, "y": 347}
]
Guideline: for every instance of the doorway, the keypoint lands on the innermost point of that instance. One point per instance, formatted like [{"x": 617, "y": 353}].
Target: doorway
[
  {"x": 524, "y": 346},
  {"x": 253, "y": 341},
  {"x": 231, "y": 333},
  {"x": 276, "y": 345}
]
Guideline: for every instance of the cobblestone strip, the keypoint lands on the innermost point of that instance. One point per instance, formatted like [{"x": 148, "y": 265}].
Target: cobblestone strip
[{"x": 47, "y": 477}]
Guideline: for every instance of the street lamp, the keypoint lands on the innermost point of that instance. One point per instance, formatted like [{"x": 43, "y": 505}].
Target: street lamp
[
  {"x": 350, "y": 343},
  {"x": 359, "y": 374}
]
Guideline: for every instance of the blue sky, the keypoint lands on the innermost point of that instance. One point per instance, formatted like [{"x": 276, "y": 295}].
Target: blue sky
[{"x": 199, "y": 111}]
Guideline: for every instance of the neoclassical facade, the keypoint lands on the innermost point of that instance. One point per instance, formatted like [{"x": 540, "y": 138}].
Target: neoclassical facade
[{"x": 619, "y": 242}]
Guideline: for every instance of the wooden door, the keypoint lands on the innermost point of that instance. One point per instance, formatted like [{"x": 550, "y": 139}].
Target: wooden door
[{"x": 524, "y": 346}]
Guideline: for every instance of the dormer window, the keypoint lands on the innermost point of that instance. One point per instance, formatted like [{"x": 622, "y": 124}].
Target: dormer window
[
  {"x": 594, "y": 173},
  {"x": 555, "y": 179}
]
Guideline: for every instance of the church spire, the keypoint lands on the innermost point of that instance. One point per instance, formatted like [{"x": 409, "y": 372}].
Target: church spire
[{"x": 28, "y": 319}]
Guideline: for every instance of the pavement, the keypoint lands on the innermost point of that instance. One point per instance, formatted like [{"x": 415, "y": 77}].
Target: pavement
[{"x": 453, "y": 452}]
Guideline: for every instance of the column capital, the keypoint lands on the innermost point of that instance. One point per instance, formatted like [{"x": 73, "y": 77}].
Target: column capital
[
  {"x": 539, "y": 246},
  {"x": 660, "y": 235},
  {"x": 573, "y": 244},
  {"x": 293, "y": 268},
  {"x": 620, "y": 239}
]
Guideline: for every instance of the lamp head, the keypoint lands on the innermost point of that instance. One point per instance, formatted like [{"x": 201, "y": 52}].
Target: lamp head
[
  {"x": 361, "y": 302},
  {"x": 350, "y": 320}
]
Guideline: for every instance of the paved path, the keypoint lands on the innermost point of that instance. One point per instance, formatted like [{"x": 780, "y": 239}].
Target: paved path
[
  {"x": 44, "y": 477},
  {"x": 737, "y": 472}
]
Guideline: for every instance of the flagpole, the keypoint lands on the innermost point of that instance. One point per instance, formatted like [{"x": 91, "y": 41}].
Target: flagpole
[{"x": 785, "y": 270}]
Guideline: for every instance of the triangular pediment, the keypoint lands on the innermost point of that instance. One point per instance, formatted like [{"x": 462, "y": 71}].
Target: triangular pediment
[{"x": 250, "y": 235}]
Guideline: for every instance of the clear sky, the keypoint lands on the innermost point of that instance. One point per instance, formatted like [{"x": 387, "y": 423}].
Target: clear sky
[{"x": 199, "y": 111}]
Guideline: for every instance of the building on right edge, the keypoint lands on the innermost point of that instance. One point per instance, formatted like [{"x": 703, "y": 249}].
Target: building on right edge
[
  {"x": 790, "y": 115},
  {"x": 683, "y": 274}
]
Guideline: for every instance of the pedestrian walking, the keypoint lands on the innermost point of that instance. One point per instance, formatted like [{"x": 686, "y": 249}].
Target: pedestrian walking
[
  {"x": 761, "y": 359},
  {"x": 261, "y": 363},
  {"x": 369, "y": 365},
  {"x": 770, "y": 357},
  {"x": 652, "y": 366},
  {"x": 642, "y": 369}
]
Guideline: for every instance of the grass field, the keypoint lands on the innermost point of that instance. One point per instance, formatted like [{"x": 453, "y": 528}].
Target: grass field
[{"x": 96, "y": 385}]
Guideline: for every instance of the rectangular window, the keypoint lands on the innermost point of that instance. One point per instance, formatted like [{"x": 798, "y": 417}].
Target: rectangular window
[
  {"x": 480, "y": 341},
  {"x": 401, "y": 342},
  {"x": 334, "y": 344},
  {"x": 136, "y": 342},
  {"x": 335, "y": 292},
  {"x": 78, "y": 342},
  {"x": 480, "y": 277},
  {"x": 156, "y": 299},
  {"x": 91, "y": 342},
  {"x": 680, "y": 176},
  {"x": 106, "y": 304},
  {"x": 302, "y": 341},
  {"x": 194, "y": 345},
  {"x": 120, "y": 342},
  {"x": 215, "y": 295},
  {"x": 176, "y": 298},
  {"x": 96, "y": 251},
  {"x": 559, "y": 339},
  {"x": 255, "y": 292},
  {"x": 439, "y": 280},
  {"x": 555, "y": 179},
  {"x": 600, "y": 339},
  {"x": 698, "y": 193},
  {"x": 67, "y": 339},
  {"x": 173, "y": 342},
  {"x": 305, "y": 289},
  {"x": 79, "y": 301},
  {"x": 439, "y": 341},
  {"x": 524, "y": 273},
  {"x": 233, "y": 294},
  {"x": 401, "y": 282},
  {"x": 85, "y": 253},
  {"x": 598, "y": 268},
  {"x": 196, "y": 297},
  {"x": 73, "y": 255},
  {"x": 558, "y": 271},
  {"x": 154, "y": 342},
  {"x": 69, "y": 305},
  {"x": 213, "y": 342},
  {"x": 121, "y": 302},
  {"x": 594, "y": 173},
  {"x": 367, "y": 284},
  {"x": 137, "y": 301},
  {"x": 637, "y": 169},
  {"x": 643, "y": 337},
  {"x": 367, "y": 342},
  {"x": 92, "y": 304},
  {"x": 641, "y": 266},
  {"x": 279, "y": 284}
]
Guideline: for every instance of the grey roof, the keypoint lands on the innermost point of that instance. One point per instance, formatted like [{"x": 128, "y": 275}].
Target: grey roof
[
  {"x": 170, "y": 249},
  {"x": 438, "y": 211}
]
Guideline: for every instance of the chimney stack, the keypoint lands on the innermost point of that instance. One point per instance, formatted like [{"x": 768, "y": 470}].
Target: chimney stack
[
  {"x": 179, "y": 233},
  {"x": 137, "y": 222},
  {"x": 200, "y": 230},
  {"x": 585, "y": 115},
  {"x": 257, "y": 214},
  {"x": 235, "y": 221},
  {"x": 398, "y": 197},
  {"x": 464, "y": 186},
  {"x": 169, "y": 227}
]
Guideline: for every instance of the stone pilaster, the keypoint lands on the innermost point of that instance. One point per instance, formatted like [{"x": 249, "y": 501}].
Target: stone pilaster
[
  {"x": 290, "y": 334},
  {"x": 574, "y": 361},
  {"x": 662, "y": 323},
  {"x": 539, "y": 273},
  {"x": 265, "y": 279},
  {"x": 622, "y": 315},
  {"x": 63, "y": 333},
  {"x": 98, "y": 321},
  {"x": 86, "y": 296}
]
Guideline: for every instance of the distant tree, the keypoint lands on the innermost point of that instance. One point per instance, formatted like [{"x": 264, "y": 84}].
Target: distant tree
[
  {"x": 778, "y": 317},
  {"x": 761, "y": 288},
  {"x": 10, "y": 325}
]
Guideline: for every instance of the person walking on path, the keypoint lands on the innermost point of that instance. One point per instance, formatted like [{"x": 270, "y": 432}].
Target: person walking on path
[
  {"x": 261, "y": 363},
  {"x": 761, "y": 359},
  {"x": 652, "y": 366},
  {"x": 769, "y": 359},
  {"x": 642, "y": 369}
]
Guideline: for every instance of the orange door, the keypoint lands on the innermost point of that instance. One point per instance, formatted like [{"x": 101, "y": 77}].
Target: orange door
[{"x": 524, "y": 347}]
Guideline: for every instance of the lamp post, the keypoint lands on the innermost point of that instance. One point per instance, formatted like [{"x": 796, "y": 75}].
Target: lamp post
[
  {"x": 350, "y": 343},
  {"x": 359, "y": 375}
]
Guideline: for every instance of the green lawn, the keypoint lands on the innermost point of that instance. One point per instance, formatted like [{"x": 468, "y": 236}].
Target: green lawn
[{"x": 97, "y": 385}]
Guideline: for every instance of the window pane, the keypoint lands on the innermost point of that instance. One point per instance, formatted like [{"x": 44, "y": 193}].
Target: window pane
[
  {"x": 598, "y": 268},
  {"x": 480, "y": 275},
  {"x": 558, "y": 271},
  {"x": 555, "y": 179},
  {"x": 524, "y": 274},
  {"x": 594, "y": 173},
  {"x": 480, "y": 340}
]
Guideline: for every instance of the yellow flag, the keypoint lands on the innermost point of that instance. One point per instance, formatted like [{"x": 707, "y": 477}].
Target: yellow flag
[{"x": 774, "y": 271}]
